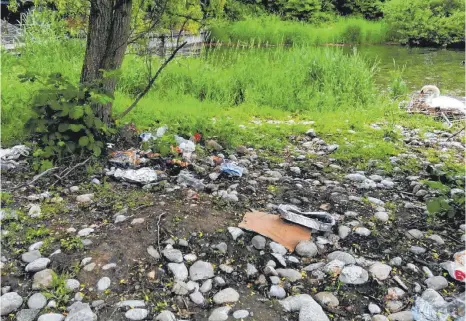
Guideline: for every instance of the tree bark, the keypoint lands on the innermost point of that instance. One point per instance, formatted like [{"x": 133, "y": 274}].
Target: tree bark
[{"x": 108, "y": 33}]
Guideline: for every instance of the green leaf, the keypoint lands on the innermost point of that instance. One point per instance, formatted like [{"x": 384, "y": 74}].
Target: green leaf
[
  {"x": 76, "y": 113},
  {"x": 83, "y": 141},
  {"x": 76, "y": 127},
  {"x": 97, "y": 151},
  {"x": 63, "y": 127}
]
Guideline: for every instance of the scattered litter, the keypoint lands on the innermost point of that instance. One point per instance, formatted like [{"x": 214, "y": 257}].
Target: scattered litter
[
  {"x": 8, "y": 156},
  {"x": 456, "y": 268},
  {"x": 323, "y": 222},
  {"x": 145, "y": 137},
  {"x": 231, "y": 169},
  {"x": 186, "y": 178},
  {"x": 272, "y": 226},
  {"x": 424, "y": 310},
  {"x": 128, "y": 158},
  {"x": 187, "y": 147},
  {"x": 143, "y": 175}
]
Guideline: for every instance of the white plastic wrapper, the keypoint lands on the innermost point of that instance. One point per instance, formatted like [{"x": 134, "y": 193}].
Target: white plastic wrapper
[
  {"x": 457, "y": 267},
  {"x": 143, "y": 175}
]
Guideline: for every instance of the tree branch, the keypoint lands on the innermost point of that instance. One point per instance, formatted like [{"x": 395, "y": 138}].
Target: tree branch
[{"x": 151, "y": 81}]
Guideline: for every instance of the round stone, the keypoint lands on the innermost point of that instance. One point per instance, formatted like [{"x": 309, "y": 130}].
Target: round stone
[
  {"x": 201, "y": 270},
  {"x": 37, "y": 265},
  {"x": 136, "y": 314},
  {"x": 277, "y": 291},
  {"x": 30, "y": 256},
  {"x": 104, "y": 283},
  {"x": 327, "y": 299},
  {"x": 341, "y": 256},
  {"x": 10, "y": 302},
  {"x": 380, "y": 271},
  {"x": 51, "y": 317},
  {"x": 437, "y": 282},
  {"x": 258, "y": 242},
  {"x": 306, "y": 249},
  {"x": 37, "y": 301},
  {"x": 72, "y": 284},
  {"x": 353, "y": 275},
  {"x": 240, "y": 314},
  {"x": 227, "y": 295}
]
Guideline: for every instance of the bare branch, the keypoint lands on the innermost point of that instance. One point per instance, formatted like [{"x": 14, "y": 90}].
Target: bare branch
[
  {"x": 151, "y": 81},
  {"x": 37, "y": 177}
]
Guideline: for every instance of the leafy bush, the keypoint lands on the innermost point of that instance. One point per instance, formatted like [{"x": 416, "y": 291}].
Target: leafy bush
[
  {"x": 426, "y": 22},
  {"x": 63, "y": 120}
]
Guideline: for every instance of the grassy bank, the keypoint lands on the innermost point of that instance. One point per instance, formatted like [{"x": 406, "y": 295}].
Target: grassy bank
[{"x": 273, "y": 31}]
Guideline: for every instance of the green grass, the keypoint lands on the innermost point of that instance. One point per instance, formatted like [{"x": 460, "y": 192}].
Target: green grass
[{"x": 270, "y": 30}]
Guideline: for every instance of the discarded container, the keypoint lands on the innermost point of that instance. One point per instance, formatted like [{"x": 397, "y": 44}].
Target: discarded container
[
  {"x": 186, "y": 178},
  {"x": 9, "y": 156},
  {"x": 456, "y": 268},
  {"x": 128, "y": 158},
  {"x": 272, "y": 226},
  {"x": 322, "y": 222},
  {"x": 143, "y": 175},
  {"x": 424, "y": 310},
  {"x": 231, "y": 169},
  {"x": 145, "y": 137},
  {"x": 187, "y": 147}
]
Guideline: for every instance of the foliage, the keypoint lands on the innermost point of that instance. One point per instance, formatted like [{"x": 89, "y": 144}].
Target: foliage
[
  {"x": 299, "y": 9},
  {"x": 63, "y": 119},
  {"x": 59, "y": 291},
  {"x": 71, "y": 244},
  {"x": 369, "y": 9},
  {"x": 426, "y": 21}
]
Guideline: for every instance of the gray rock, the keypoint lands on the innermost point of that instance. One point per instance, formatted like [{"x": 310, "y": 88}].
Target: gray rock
[
  {"x": 165, "y": 316},
  {"x": 274, "y": 279},
  {"x": 380, "y": 271},
  {"x": 376, "y": 201},
  {"x": 394, "y": 305},
  {"x": 37, "y": 265},
  {"x": 190, "y": 257},
  {"x": 311, "y": 133},
  {"x": 226, "y": 268},
  {"x": 85, "y": 231},
  {"x": 206, "y": 286},
  {"x": 235, "y": 232},
  {"x": 227, "y": 295},
  {"x": 395, "y": 293},
  {"x": 219, "y": 281},
  {"x": 240, "y": 314},
  {"x": 10, "y": 302},
  {"x": 180, "y": 288},
  {"x": 173, "y": 255},
  {"x": 120, "y": 218},
  {"x": 327, "y": 299},
  {"x": 251, "y": 270},
  {"x": 414, "y": 234},
  {"x": 417, "y": 249},
  {"x": 333, "y": 267},
  {"x": 331, "y": 148},
  {"x": 277, "y": 248},
  {"x": 221, "y": 247},
  {"x": 314, "y": 266},
  {"x": 30, "y": 256},
  {"x": 183, "y": 242},
  {"x": 306, "y": 249},
  {"x": 34, "y": 210},
  {"x": 219, "y": 314},
  {"x": 342, "y": 256},
  {"x": 201, "y": 270},
  {"x": 137, "y": 221},
  {"x": 131, "y": 304},
  {"x": 72, "y": 284},
  {"x": 258, "y": 242},
  {"x": 293, "y": 259},
  {"x": 27, "y": 315},
  {"x": 104, "y": 283},
  {"x": 374, "y": 308},
  {"x": 437, "y": 282},
  {"x": 289, "y": 274},
  {"x": 401, "y": 316},
  {"x": 52, "y": 304},
  {"x": 382, "y": 216},
  {"x": 136, "y": 314},
  {"x": 309, "y": 309},
  {"x": 280, "y": 259},
  {"x": 79, "y": 296},
  {"x": 97, "y": 303},
  {"x": 81, "y": 312},
  {"x": 268, "y": 270},
  {"x": 8, "y": 214},
  {"x": 427, "y": 272},
  {"x": 436, "y": 238},
  {"x": 396, "y": 261},
  {"x": 43, "y": 279},
  {"x": 109, "y": 266},
  {"x": 37, "y": 301},
  {"x": 277, "y": 291},
  {"x": 434, "y": 298},
  {"x": 387, "y": 183},
  {"x": 179, "y": 271},
  {"x": 362, "y": 231},
  {"x": 89, "y": 267},
  {"x": 353, "y": 275},
  {"x": 356, "y": 177},
  {"x": 85, "y": 198},
  {"x": 153, "y": 252},
  {"x": 197, "y": 298},
  {"x": 343, "y": 231},
  {"x": 51, "y": 317},
  {"x": 379, "y": 317}
]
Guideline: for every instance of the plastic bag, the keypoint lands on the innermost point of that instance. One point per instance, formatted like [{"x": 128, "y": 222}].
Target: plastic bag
[
  {"x": 186, "y": 178},
  {"x": 231, "y": 169},
  {"x": 9, "y": 156},
  {"x": 145, "y": 137},
  {"x": 143, "y": 175},
  {"x": 322, "y": 222},
  {"x": 423, "y": 310},
  {"x": 456, "y": 268}
]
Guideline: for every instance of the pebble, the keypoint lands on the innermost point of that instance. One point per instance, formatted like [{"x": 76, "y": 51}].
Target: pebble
[
  {"x": 434, "y": 298},
  {"x": 165, "y": 315},
  {"x": 415, "y": 234},
  {"x": 120, "y": 218},
  {"x": 436, "y": 238},
  {"x": 277, "y": 291},
  {"x": 85, "y": 198},
  {"x": 251, "y": 270},
  {"x": 201, "y": 270},
  {"x": 334, "y": 267},
  {"x": 353, "y": 275},
  {"x": 89, "y": 267},
  {"x": 104, "y": 283},
  {"x": 379, "y": 317},
  {"x": 306, "y": 249},
  {"x": 221, "y": 247},
  {"x": 314, "y": 266},
  {"x": 219, "y": 314},
  {"x": 37, "y": 265},
  {"x": 309, "y": 309},
  {"x": 179, "y": 271},
  {"x": 240, "y": 314},
  {"x": 34, "y": 211},
  {"x": 137, "y": 221},
  {"x": 109, "y": 266},
  {"x": 226, "y": 268},
  {"x": 30, "y": 256},
  {"x": 51, "y": 317},
  {"x": 417, "y": 249},
  {"x": 327, "y": 299},
  {"x": 153, "y": 252},
  {"x": 342, "y": 256},
  {"x": 396, "y": 261},
  {"x": 401, "y": 316},
  {"x": 206, "y": 286},
  {"x": 27, "y": 315},
  {"x": 136, "y": 314},
  {"x": 362, "y": 231},
  {"x": 79, "y": 296},
  {"x": 37, "y": 301},
  {"x": 277, "y": 248},
  {"x": 85, "y": 231},
  {"x": 173, "y": 255},
  {"x": 131, "y": 304},
  {"x": 343, "y": 231},
  {"x": 394, "y": 305},
  {"x": 395, "y": 293},
  {"x": 258, "y": 242},
  {"x": 81, "y": 312},
  {"x": 197, "y": 298},
  {"x": 227, "y": 295},
  {"x": 180, "y": 288},
  {"x": 374, "y": 308},
  {"x": 382, "y": 216},
  {"x": 289, "y": 274},
  {"x": 35, "y": 246},
  {"x": 437, "y": 282},
  {"x": 43, "y": 279},
  {"x": 380, "y": 271},
  {"x": 190, "y": 257},
  {"x": 356, "y": 177},
  {"x": 10, "y": 302},
  {"x": 97, "y": 303},
  {"x": 280, "y": 259},
  {"x": 219, "y": 281},
  {"x": 235, "y": 232}
]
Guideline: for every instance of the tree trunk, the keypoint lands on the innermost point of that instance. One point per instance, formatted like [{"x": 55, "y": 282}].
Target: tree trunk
[{"x": 107, "y": 39}]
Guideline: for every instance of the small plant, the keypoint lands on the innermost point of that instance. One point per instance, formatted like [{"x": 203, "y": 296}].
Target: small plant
[
  {"x": 71, "y": 243},
  {"x": 59, "y": 292},
  {"x": 6, "y": 198}
]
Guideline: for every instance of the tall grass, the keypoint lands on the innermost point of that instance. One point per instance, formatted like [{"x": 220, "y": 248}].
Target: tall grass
[{"x": 273, "y": 31}]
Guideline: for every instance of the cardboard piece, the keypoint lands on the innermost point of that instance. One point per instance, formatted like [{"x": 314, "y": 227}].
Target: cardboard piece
[{"x": 272, "y": 226}]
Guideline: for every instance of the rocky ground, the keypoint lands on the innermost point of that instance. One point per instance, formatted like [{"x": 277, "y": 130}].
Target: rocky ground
[{"x": 95, "y": 248}]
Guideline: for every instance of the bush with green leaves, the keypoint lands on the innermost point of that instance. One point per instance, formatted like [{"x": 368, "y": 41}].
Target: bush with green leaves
[{"x": 63, "y": 120}]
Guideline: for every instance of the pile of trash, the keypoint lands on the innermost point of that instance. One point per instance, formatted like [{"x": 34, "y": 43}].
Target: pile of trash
[{"x": 9, "y": 157}]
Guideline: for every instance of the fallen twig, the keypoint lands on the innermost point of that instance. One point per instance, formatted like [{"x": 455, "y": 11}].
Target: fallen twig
[
  {"x": 35, "y": 178},
  {"x": 67, "y": 172},
  {"x": 456, "y": 134},
  {"x": 158, "y": 231}
]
